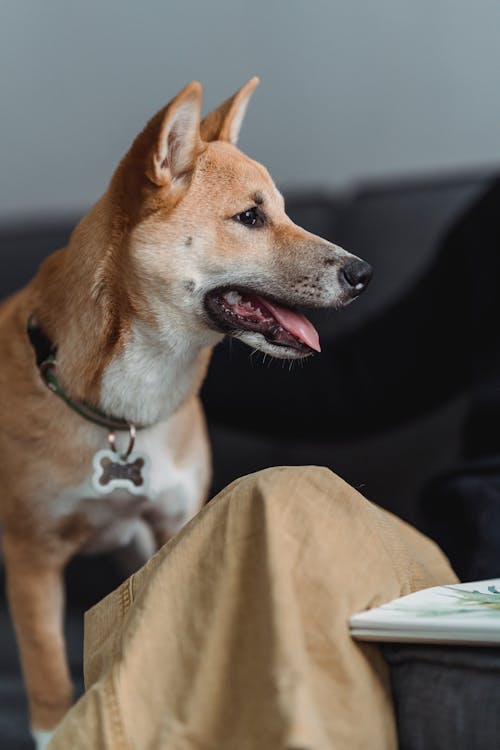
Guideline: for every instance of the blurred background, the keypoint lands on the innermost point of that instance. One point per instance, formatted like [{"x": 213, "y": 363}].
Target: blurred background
[
  {"x": 380, "y": 122},
  {"x": 350, "y": 89}
]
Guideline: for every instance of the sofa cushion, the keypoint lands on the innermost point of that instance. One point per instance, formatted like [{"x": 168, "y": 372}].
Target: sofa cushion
[{"x": 445, "y": 696}]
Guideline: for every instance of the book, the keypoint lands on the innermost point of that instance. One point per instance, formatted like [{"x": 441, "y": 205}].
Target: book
[{"x": 466, "y": 613}]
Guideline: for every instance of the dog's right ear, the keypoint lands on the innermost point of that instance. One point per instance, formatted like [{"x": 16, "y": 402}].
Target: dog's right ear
[
  {"x": 177, "y": 137},
  {"x": 224, "y": 123}
]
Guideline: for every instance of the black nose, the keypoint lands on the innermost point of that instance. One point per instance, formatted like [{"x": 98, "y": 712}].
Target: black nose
[{"x": 357, "y": 273}]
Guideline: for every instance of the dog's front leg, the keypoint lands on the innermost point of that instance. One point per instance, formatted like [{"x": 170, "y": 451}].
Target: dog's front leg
[{"x": 35, "y": 591}]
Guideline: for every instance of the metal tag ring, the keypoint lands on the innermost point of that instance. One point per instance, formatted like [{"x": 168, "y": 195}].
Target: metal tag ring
[{"x": 131, "y": 442}]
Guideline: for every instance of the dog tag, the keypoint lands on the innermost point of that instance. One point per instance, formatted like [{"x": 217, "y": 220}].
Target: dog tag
[{"x": 112, "y": 472}]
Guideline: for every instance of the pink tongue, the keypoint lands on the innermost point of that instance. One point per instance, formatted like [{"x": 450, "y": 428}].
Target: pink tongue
[{"x": 294, "y": 323}]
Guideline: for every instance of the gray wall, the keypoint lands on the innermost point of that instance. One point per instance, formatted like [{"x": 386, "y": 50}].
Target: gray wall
[{"x": 350, "y": 88}]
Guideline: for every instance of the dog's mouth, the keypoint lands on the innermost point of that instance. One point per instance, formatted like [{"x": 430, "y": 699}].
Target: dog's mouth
[{"x": 236, "y": 311}]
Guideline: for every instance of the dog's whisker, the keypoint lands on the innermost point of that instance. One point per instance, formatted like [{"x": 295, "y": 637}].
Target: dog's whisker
[{"x": 252, "y": 355}]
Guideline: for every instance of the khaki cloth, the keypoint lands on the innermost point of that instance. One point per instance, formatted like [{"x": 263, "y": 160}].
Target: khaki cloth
[{"x": 234, "y": 635}]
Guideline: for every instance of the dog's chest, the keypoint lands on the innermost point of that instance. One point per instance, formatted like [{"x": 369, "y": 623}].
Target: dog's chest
[
  {"x": 171, "y": 495},
  {"x": 144, "y": 383}
]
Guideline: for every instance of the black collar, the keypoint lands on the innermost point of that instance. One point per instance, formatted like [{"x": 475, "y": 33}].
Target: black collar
[{"x": 45, "y": 355}]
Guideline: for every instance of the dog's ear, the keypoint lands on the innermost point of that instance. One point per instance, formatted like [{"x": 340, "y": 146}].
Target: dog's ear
[
  {"x": 178, "y": 140},
  {"x": 224, "y": 123}
]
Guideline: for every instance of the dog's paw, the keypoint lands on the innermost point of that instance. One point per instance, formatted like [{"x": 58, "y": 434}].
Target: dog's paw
[{"x": 42, "y": 738}]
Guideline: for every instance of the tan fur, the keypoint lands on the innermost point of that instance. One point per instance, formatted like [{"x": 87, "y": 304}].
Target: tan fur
[{"x": 132, "y": 279}]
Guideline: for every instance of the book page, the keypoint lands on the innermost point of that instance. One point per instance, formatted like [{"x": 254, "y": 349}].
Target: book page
[{"x": 466, "y": 613}]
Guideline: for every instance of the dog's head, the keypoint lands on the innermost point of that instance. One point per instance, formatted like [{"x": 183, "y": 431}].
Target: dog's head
[{"x": 210, "y": 248}]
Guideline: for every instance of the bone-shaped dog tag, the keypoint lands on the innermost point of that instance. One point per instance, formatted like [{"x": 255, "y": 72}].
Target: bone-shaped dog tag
[{"x": 112, "y": 472}]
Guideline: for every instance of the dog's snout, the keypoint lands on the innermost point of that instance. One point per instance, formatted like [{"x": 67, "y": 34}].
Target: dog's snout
[{"x": 357, "y": 274}]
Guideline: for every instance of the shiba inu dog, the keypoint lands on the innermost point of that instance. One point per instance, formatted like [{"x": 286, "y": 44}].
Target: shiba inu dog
[{"x": 102, "y": 435}]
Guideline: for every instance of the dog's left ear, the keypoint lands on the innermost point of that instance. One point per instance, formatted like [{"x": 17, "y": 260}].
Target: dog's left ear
[
  {"x": 224, "y": 123},
  {"x": 177, "y": 142}
]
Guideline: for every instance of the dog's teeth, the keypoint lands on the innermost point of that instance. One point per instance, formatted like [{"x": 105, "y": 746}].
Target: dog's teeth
[{"x": 232, "y": 297}]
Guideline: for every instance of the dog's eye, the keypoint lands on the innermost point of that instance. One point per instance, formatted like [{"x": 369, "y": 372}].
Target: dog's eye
[{"x": 252, "y": 217}]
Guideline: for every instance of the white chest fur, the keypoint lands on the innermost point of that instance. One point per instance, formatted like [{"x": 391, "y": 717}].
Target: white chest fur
[
  {"x": 151, "y": 377},
  {"x": 150, "y": 382},
  {"x": 175, "y": 492}
]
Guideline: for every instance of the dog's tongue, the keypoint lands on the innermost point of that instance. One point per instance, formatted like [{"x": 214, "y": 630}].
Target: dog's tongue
[{"x": 294, "y": 323}]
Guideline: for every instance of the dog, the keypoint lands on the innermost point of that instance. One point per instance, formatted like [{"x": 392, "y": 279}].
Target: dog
[{"x": 102, "y": 434}]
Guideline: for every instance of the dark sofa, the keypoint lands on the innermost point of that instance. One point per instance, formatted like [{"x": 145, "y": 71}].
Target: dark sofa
[{"x": 263, "y": 413}]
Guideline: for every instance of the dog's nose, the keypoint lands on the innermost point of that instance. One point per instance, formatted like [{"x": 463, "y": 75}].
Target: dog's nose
[{"x": 357, "y": 273}]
